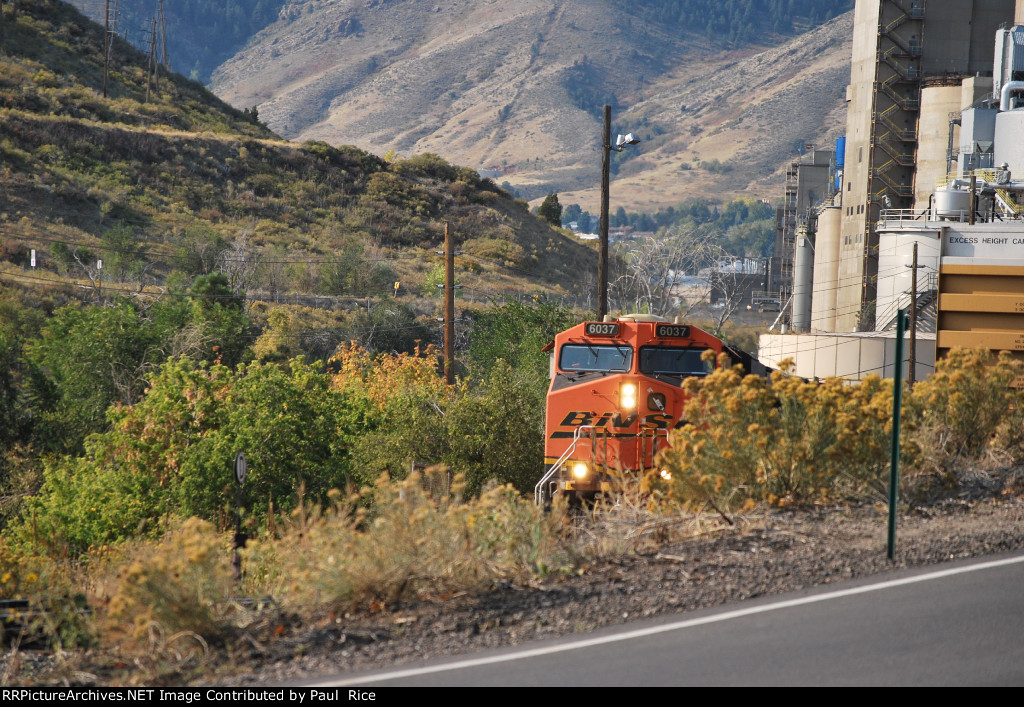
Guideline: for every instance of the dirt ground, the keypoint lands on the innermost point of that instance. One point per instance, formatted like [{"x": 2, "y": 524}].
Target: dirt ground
[{"x": 762, "y": 554}]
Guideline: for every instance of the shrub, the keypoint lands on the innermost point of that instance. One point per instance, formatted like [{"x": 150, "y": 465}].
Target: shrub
[
  {"x": 968, "y": 408},
  {"x": 179, "y": 583},
  {"x": 788, "y": 441},
  {"x": 428, "y": 165},
  {"x": 172, "y": 453},
  {"x": 417, "y": 540}
]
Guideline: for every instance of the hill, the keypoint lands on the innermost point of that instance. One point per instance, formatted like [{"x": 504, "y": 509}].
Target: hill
[
  {"x": 196, "y": 35},
  {"x": 162, "y": 176},
  {"x": 517, "y": 89}
]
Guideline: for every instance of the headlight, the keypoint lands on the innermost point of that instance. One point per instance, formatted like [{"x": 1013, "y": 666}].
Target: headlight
[
  {"x": 627, "y": 396},
  {"x": 666, "y": 474},
  {"x": 579, "y": 470}
]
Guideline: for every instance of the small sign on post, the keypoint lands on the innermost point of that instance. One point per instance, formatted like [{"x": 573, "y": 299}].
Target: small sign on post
[{"x": 241, "y": 468}]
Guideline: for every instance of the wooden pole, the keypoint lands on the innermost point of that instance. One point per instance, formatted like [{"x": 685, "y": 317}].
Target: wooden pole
[
  {"x": 152, "y": 53},
  {"x": 154, "y": 62},
  {"x": 163, "y": 35},
  {"x": 602, "y": 255},
  {"x": 106, "y": 48}
]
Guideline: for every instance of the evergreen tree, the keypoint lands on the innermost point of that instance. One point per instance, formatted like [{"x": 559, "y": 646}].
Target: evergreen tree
[{"x": 550, "y": 210}]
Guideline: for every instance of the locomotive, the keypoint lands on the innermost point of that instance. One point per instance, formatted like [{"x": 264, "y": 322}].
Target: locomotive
[{"x": 615, "y": 394}]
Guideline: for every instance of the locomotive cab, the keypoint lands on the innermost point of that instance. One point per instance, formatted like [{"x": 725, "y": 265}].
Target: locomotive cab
[{"x": 615, "y": 393}]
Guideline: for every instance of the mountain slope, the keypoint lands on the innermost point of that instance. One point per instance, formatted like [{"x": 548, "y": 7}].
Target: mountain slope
[
  {"x": 168, "y": 177},
  {"x": 517, "y": 88}
]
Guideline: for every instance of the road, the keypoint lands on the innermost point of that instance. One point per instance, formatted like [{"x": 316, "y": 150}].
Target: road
[{"x": 962, "y": 624}]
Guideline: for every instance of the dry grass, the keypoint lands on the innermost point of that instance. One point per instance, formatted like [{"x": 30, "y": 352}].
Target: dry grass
[
  {"x": 399, "y": 542},
  {"x": 176, "y": 587}
]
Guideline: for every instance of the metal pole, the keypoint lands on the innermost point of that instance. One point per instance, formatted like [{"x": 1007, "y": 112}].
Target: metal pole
[
  {"x": 897, "y": 403},
  {"x": 449, "y": 306},
  {"x": 602, "y": 255},
  {"x": 973, "y": 199}
]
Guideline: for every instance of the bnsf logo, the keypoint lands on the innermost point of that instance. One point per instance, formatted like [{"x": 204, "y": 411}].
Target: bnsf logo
[{"x": 586, "y": 419}]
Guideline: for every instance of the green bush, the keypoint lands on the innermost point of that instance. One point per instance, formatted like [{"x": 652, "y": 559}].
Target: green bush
[{"x": 173, "y": 452}]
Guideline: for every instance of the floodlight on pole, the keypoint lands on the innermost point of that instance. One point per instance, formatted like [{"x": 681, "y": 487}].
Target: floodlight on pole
[{"x": 621, "y": 142}]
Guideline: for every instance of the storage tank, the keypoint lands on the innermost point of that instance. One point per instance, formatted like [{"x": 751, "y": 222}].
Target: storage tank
[
  {"x": 933, "y": 134},
  {"x": 803, "y": 277},
  {"x": 895, "y": 256},
  {"x": 826, "y": 269},
  {"x": 952, "y": 204}
]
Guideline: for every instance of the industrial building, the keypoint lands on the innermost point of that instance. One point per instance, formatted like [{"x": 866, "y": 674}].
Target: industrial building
[{"x": 932, "y": 118}]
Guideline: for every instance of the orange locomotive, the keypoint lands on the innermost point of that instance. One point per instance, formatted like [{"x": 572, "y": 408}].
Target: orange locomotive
[{"x": 615, "y": 394}]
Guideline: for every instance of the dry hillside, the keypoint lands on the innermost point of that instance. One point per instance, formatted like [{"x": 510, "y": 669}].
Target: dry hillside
[{"x": 486, "y": 84}]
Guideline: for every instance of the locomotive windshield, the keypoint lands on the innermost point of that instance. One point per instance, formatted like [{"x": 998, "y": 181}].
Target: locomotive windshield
[
  {"x": 675, "y": 362},
  {"x": 596, "y": 357}
]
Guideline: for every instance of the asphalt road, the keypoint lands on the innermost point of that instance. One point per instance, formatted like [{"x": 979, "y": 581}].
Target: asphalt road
[{"x": 962, "y": 624}]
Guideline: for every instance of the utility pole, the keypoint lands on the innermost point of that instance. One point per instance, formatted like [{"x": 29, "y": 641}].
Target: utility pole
[
  {"x": 163, "y": 35},
  {"x": 913, "y": 321},
  {"x": 149, "y": 69},
  {"x": 106, "y": 47},
  {"x": 449, "y": 305},
  {"x": 152, "y": 61},
  {"x": 602, "y": 253}
]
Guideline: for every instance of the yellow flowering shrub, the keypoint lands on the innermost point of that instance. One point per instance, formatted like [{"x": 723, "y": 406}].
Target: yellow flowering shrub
[
  {"x": 180, "y": 583},
  {"x": 781, "y": 441},
  {"x": 968, "y": 408}
]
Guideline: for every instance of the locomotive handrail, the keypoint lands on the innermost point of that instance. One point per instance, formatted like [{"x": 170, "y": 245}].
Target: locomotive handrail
[
  {"x": 538, "y": 490},
  {"x": 651, "y": 433}
]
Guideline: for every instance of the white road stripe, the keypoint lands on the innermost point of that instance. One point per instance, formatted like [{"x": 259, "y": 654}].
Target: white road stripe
[{"x": 675, "y": 626}]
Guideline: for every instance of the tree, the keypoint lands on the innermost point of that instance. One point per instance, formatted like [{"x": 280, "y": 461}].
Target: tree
[
  {"x": 550, "y": 210},
  {"x": 571, "y": 213},
  {"x": 218, "y": 310},
  {"x": 619, "y": 218},
  {"x": 669, "y": 274},
  {"x": 517, "y": 333},
  {"x": 389, "y": 327},
  {"x": 91, "y": 356},
  {"x": 125, "y": 254}
]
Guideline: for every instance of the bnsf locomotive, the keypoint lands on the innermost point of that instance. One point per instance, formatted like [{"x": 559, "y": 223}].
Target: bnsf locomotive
[{"x": 616, "y": 392}]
